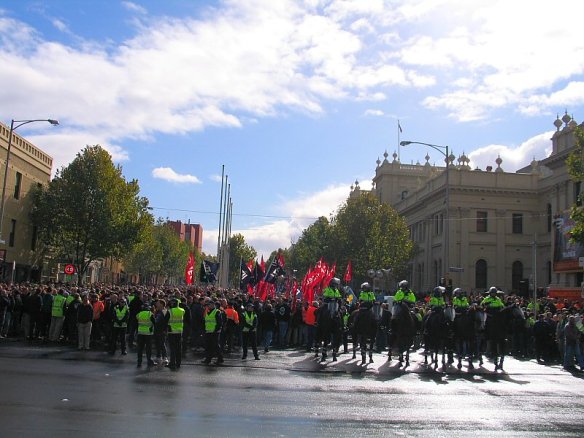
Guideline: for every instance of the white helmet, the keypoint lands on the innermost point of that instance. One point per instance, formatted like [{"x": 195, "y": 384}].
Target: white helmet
[{"x": 366, "y": 286}]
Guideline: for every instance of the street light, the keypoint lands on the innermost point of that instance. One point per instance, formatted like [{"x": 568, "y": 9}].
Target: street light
[
  {"x": 14, "y": 125},
  {"x": 444, "y": 151}
]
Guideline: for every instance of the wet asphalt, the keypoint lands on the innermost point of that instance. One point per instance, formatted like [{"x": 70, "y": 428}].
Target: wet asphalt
[{"x": 58, "y": 391}]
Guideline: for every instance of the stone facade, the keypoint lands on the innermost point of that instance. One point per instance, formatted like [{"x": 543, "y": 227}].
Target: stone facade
[
  {"x": 481, "y": 228},
  {"x": 28, "y": 166}
]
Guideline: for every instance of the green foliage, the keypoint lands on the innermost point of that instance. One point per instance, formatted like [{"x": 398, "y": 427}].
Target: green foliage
[
  {"x": 160, "y": 254},
  {"x": 370, "y": 234},
  {"x": 238, "y": 250},
  {"x": 89, "y": 211},
  {"x": 575, "y": 163},
  {"x": 311, "y": 246}
]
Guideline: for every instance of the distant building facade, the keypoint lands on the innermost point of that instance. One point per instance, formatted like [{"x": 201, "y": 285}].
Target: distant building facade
[
  {"x": 505, "y": 229},
  {"x": 28, "y": 167},
  {"x": 192, "y": 233}
]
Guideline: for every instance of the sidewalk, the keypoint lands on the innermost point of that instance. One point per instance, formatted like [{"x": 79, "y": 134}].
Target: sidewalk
[{"x": 296, "y": 360}]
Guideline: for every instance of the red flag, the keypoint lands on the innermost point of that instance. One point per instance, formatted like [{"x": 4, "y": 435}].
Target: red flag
[
  {"x": 189, "y": 270},
  {"x": 349, "y": 273}
]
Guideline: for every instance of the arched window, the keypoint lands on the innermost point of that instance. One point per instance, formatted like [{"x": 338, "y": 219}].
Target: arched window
[
  {"x": 516, "y": 275},
  {"x": 481, "y": 274}
]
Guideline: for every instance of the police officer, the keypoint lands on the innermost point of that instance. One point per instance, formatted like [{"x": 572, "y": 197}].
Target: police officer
[
  {"x": 404, "y": 294},
  {"x": 145, "y": 320},
  {"x": 492, "y": 302},
  {"x": 437, "y": 300},
  {"x": 460, "y": 301},
  {"x": 332, "y": 291},
  {"x": 213, "y": 325},
  {"x": 249, "y": 331},
  {"x": 120, "y": 315},
  {"x": 175, "y": 330},
  {"x": 366, "y": 296}
]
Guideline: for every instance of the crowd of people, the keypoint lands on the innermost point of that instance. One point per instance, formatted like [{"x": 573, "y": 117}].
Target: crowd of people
[{"x": 167, "y": 323}]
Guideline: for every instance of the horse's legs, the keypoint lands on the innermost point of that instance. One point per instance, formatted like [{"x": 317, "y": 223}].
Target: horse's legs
[
  {"x": 371, "y": 344},
  {"x": 355, "y": 345},
  {"x": 459, "y": 351},
  {"x": 407, "y": 358}
]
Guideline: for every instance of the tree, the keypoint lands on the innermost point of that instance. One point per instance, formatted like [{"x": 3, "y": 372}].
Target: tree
[
  {"x": 312, "y": 245},
  {"x": 145, "y": 258},
  {"x": 174, "y": 252},
  {"x": 575, "y": 163},
  {"x": 89, "y": 211},
  {"x": 370, "y": 234},
  {"x": 238, "y": 250}
]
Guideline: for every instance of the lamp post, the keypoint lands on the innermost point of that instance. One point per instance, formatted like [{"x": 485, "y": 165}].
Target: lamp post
[
  {"x": 14, "y": 125},
  {"x": 444, "y": 151}
]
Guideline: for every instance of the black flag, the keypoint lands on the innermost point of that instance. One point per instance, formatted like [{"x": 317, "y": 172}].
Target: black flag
[
  {"x": 208, "y": 272},
  {"x": 246, "y": 276},
  {"x": 274, "y": 270}
]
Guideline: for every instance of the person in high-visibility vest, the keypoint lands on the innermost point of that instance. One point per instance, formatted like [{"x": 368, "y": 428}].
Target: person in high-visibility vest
[
  {"x": 175, "y": 330},
  {"x": 57, "y": 316},
  {"x": 145, "y": 320},
  {"x": 249, "y": 331},
  {"x": 213, "y": 325},
  {"x": 120, "y": 315}
]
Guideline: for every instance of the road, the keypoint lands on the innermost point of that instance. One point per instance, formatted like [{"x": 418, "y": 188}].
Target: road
[{"x": 57, "y": 391}]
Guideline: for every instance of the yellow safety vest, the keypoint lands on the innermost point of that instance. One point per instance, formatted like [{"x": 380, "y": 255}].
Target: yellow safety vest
[
  {"x": 145, "y": 326},
  {"x": 176, "y": 319},
  {"x": 211, "y": 321}
]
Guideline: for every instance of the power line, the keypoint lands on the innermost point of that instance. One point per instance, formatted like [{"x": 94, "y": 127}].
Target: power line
[{"x": 234, "y": 214}]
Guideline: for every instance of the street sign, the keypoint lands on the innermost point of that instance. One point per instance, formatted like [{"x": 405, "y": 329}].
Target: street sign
[
  {"x": 69, "y": 269},
  {"x": 455, "y": 269}
]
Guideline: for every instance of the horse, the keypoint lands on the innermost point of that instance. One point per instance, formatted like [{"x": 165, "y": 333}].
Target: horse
[
  {"x": 328, "y": 329},
  {"x": 438, "y": 335},
  {"x": 403, "y": 331},
  {"x": 465, "y": 335},
  {"x": 499, "y": 326},
  {"x": 364, "y": 330}
]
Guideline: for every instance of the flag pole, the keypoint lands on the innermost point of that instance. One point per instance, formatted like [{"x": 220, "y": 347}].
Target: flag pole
[
  {"x": 240, "y": 263},
  {"x": 398, "y": 144},
  {"x": 220, "y": 209}
]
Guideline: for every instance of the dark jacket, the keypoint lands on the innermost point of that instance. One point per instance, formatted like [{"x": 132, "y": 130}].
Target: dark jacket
[
  {"x": 84, "y": 313},
  {"x": 267, "y": 320}
]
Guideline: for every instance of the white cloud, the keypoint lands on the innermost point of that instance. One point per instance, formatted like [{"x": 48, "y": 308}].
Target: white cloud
[
  {"x": 514, "y": 157},
  {"x": 215, "y": 178},
  {"x": 63, "y": 144},
  {"x": 241, "y": 61},
  {"x": 133, "y": 7},
  {"x": 168, "y": 174},
  {"x": 280, "y": 233},
  {"x": 373, "y": 112}
]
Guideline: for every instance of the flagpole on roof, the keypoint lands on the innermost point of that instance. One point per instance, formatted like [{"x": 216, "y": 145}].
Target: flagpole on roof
[{"x": 399, "y": 129}]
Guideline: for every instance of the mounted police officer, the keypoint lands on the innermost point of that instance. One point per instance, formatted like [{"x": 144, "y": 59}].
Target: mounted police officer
[
  {"x": 437, "y": 301},
  {"x": 492, "y": 303},
  {"x": 460, "y": 301},
  {"x": 329, "y": 323},
  {"x": 366, "y": 296},
  {"x": 404, "y": 294}
]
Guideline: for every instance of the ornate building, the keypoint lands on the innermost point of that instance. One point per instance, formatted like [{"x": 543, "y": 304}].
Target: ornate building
[
  {"x": 481, "y": 228},
  {"x": 28, "y": 167}
]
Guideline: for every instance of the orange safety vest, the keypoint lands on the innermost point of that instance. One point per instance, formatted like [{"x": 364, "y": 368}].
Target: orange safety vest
[
  {"x": 309, "y": 318},
  {"x": 232, "y": 315}
]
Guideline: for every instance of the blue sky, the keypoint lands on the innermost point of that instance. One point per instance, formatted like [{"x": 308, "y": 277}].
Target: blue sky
[{"x": 297, "y": 99}]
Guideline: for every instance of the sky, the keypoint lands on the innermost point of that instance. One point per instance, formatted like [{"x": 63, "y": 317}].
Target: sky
[{"x": 297, "y": 99}]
